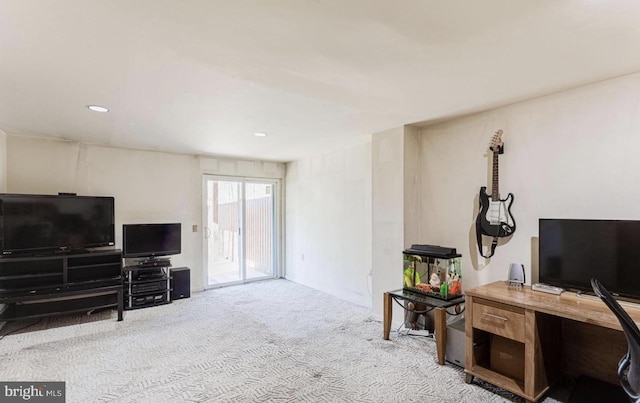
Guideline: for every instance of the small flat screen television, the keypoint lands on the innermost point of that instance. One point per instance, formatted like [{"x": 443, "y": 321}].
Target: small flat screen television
[
  {"x": 573, "y": 251},
  {"x": 150, "y": 240},
  {"x": 41, "y": 223}
]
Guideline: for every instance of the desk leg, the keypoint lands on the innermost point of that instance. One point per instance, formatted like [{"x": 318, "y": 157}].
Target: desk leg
[
  {"x": 440, "y": 317},
  {"x": 387, "y": 315}
]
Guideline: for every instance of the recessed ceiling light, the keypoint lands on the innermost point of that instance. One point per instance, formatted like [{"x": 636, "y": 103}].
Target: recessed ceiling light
[
  {"x": 98, "y": 108},
  {"x": 260, "y": 134}
]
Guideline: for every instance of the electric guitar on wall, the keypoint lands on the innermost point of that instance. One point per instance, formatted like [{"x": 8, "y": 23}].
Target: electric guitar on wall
[{"x": 494, "y": 216}]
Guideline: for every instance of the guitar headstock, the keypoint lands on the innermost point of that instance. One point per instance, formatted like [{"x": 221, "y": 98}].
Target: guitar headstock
[{"x": 496, "y": 145}]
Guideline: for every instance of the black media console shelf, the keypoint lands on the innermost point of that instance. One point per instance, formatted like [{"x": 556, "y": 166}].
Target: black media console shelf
[
  {"x": 39, "y": 286},
  {"x": 147, "y": 284}
]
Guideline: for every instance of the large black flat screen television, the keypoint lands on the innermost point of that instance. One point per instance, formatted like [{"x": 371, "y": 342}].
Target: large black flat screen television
[
  {"x": 572, "y": 251},
  {"x": 150, "y": 240},
  {"x": 42, "y": 223}
]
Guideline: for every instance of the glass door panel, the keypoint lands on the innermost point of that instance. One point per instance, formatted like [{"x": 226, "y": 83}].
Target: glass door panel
[
  {"x": 259, "y": 219},
  {"x": 222, "y": 231}
]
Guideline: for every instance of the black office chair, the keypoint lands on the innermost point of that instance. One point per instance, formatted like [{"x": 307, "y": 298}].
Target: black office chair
[{"x": 629, "y": 365}]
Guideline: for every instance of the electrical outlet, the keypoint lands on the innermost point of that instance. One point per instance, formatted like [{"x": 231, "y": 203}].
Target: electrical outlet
[{"x": 194, "y": 228}]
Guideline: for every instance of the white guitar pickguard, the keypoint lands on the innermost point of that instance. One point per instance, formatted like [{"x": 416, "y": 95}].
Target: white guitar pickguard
[{"x": 498, "y": 212}]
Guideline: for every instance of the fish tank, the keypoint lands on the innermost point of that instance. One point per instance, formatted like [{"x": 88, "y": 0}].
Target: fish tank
[{"x": 432, "y": 270}]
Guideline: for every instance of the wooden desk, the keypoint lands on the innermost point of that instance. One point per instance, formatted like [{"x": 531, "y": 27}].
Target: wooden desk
[
  {"x": 520, "y": 340},
  {"x": 440, "y": 315}
]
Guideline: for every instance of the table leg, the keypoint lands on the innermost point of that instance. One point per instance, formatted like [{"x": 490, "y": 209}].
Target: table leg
[
  {"x": 387, "y": 315},
  {"x": 440, "y": 318},
  {"x": 120, "y": 304}
]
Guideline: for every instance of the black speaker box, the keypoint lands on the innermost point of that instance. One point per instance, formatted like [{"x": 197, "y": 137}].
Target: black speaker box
[{"x": 180, "y": 283}]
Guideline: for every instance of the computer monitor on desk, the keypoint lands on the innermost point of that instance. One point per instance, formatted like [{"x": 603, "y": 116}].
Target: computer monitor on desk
[{"x": 573, "y": 251}]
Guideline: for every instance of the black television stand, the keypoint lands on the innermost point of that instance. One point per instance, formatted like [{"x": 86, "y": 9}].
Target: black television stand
[
  {"x": 55, "y": 284},
  {"x": 147, "y": 283}
]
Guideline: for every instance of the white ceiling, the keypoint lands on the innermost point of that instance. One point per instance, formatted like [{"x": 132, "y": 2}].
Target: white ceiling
[{"x": 201, "y": 76}]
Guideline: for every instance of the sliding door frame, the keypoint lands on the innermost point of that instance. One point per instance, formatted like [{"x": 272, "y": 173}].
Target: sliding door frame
[{"x": 277, "y": 231}]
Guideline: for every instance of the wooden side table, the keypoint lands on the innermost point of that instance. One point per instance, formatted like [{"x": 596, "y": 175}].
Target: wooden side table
[{"x": 440, "y": 314}]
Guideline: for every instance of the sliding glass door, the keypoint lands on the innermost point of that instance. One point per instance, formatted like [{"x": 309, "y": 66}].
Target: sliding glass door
[{"x": 240, "y": 230}]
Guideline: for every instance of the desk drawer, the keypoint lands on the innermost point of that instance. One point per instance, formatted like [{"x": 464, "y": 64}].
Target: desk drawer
[{"x": 503, "y": 320}]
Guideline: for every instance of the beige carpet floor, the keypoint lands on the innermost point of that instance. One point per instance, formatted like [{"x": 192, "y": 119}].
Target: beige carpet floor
[{"x": 270, "y": 341}]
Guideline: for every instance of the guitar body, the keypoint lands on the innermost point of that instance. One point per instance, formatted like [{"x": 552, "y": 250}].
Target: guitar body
[{"x": 494, "y": 217}]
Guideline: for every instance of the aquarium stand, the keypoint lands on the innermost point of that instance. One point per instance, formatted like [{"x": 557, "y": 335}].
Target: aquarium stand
[{"x": 439, "y": 306}]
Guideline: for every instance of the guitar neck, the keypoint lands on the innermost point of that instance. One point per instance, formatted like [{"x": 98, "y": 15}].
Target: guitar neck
[{"x": 495, "y": 193}]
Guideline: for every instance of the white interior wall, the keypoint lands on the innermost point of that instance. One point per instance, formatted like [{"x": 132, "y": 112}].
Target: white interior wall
[
  {"x": 328, "y": 223},
  {"x": 3, "y": 181},
  {"x": 570, "y": 154},
  {"x": 387, "y": 167},
  {"x": 397, "y": 208},
  {"x": 413, "y": 221},
  {"x": 3, "y": 161},
  {"x": 574, "y": 154},
  {"x": 148, "y": 186}
]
